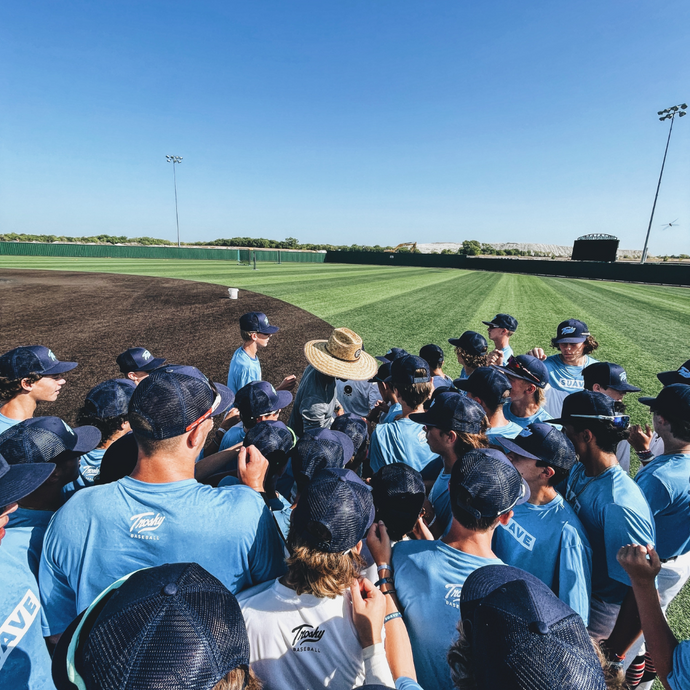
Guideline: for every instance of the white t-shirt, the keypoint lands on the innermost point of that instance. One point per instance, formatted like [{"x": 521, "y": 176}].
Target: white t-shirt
[{"x": 302, "y": 642}]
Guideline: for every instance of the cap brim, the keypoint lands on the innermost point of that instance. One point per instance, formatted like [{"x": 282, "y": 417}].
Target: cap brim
[
  {"x": 512, "y": 447},
  {"x": 580, "y": 339},
  {"x": 88, "y": 438},
  {"x": 22, "y": 479},
  {"x": 462, "y": 384},
  {"x": 669, "y": 377},
  {"x": 268, "y": 330},
  {"x": 490, "y": 323},
  {"x": 645, "y": 401},
  {"x": 227, "y": 398},
  {"x": 425, "y": 418},
  {"x": 284, "y": 399},
  {"x": 59, "y": 663},
  {"x": 59, "y": 368},
  {"x": 454, "y": 341},
  {"x": 361, "y": 369},
  {"x": 153, "y": 364},
  {"x": 382, "y": 358},
  {"x": 625, "y": 388}
]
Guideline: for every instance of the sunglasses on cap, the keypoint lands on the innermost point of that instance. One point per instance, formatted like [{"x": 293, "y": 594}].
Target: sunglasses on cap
[
  {"x": 211, "y": 410},
  {"x": 621, "y": 421},
  {"x": 518, "y": 368}
]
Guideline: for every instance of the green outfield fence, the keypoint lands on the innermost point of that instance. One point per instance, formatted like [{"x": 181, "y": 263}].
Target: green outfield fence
[
  {"x": 628, "y": 272},
  {"x": 107, "y": 251}
]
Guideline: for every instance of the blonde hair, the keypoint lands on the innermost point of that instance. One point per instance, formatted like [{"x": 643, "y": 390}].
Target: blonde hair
[{"x": 236, "y": 679}]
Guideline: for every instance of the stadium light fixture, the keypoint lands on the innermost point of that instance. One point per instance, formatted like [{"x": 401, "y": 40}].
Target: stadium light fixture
[
  {"x": 175, "y": 160},
  {"x": 668, "y": 114}
]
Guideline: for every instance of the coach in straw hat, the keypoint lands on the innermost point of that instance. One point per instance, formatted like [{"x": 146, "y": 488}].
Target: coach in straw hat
[{"x": 342, "y": 356}]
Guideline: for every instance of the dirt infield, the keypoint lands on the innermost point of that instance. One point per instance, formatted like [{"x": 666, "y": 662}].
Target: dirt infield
[{"x": 91, "y": 318}]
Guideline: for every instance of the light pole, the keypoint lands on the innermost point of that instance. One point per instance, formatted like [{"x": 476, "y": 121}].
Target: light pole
[
  {"x": 668, "y": 114},
  {"x": 174, "y": 160}
]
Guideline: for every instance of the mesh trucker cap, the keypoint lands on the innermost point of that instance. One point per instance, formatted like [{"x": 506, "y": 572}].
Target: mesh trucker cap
[
  {"x": 452, "y": 411},
  {"x": 257, "y": 322},
  {"x": 335, "y": 511},
  {"x": 269, "y": 437},
  {"x": 34, "y": 359},
  {"x": 673, "y": 400},
  {"x": 175, "y": 399},
  {"x": 522, "y": 636},
  {"x": 503, "y": 321},
  {"x": 42, "y": 439},
  {"x": 119, "y": 460},
  {"x": 138, "y": 359},
  {"x": 392, "y": 354},
  {"x": 528, "y": 369},
  {"x": 680, "y": 375},
  {"x": 404, "y": 371},
  {"x": 259, "y": 397},
  {"x": 172, "y": 627},
  {"x": 488, "y": 383},
  {"x": 593, "y": 406},
  {"x": 471, "y": 342},
  {"x": 608, "y": 375},
  {"x": 17, "y": 481},
  {"x": 353, "y": 426},
  {"x": 110, "y": 398},
  {"x": 572, "y": 331},
  {"x": 484, "y": 484},
  {"x": 398, "y": 492},
  {"x": 317, "y": 449},
  {"x": 542, "y": 442},
  {"x": 433, "y": 355}
]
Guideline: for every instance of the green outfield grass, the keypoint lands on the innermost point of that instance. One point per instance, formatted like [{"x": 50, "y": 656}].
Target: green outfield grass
[{"x": 644, "y": 328}]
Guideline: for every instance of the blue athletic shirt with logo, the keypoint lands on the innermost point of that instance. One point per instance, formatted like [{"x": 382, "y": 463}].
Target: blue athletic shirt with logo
[
  {"x": 550, "y": 542},
  {"x": 24, "y": 535},
  {"x": 108, "y": 531},
  {"x": 24, "y": 659},
  {"x": 89, "y": 468},
  {"x": 614, "y": 512},
  {"x": 665, "y": 484},
  {"x": 429, "y": 576},
  {"x": 564, "y": 379},
  {"x": 540, "y": 416},
  {"x": 509, "y": 430},
  {"x": 400, "y": 441},
  {"x": 243, "y": 370}
]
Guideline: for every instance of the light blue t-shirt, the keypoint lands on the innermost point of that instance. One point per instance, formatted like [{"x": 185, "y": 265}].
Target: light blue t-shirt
[
  {"x": 400, "y": 441},
  {"x": 563, "y": 380},
  {"x": 234, "y": 435},
  {"x": 429, "y": 576},
  {"x": 404, "y": 683},
  {"x": 243, "y": 370},
  {"x": 24, "y": 659},
  {"x": 614, "y": 512},
  {"x": 24, "y": 535},
  {"x": 665, "y": 484},
  {"x": 108, "y": 531},
  {"x": 540, "y": 416},
  {"x": 7, "y": 422},
  {"x": 89, "y": 468},
  {"x": 509, "y": 430},
  {"x": 679, "y": 678},
  {"x": 439, "y": 497},
  {"x": 550, "y": 542},
  {"x": 507, "y": 353},
  {"x": 390, "y": 416},
  {"x": 357, "y": 397}
]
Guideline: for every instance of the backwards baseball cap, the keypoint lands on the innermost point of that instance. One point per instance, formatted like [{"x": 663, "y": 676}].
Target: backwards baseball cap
[
  {"x": 138, "y": 359},
  {"x": 542, "y": 442},
  {"x": 503, "y": 321},
  {"x": 593, "y": 406},
  {"x": 43, "y": 439},
  {"x": 572, "y": 331},
  {"x": 175, "y": 399},
  {"x": 522, "y": 636},
  {"x": 110, "y": 398},
  {"x": 673, "y": 400},
  {"x": 471, "y": 342},
  {"x": 487, "y": 383},
  {"x": 404, "y": 371},
  {"x": 353, "y": 426},
  {"x": 17, "y": 481},
  {"x": 452, "y": 411},
  {"x": 433, "y": 354},
  {"x": 270, "y": 437},
  {"x": 680, "y": 375},
  {"x": 317, "y": 449},
  {"x": 392, "y": 354},
  {"x": 335, "y": 511},
  {"x": 259, "y": 397},
  {"x": 257, "y": 322},
  {"x": 528, "y": 369},
  {"x": 34, "y": 359},
  {"x": 398, "y": 492},
  {"x": 153, "y": 628},
  {"x": 608, "y": 375},
  {"x": 484, "y": 484}
]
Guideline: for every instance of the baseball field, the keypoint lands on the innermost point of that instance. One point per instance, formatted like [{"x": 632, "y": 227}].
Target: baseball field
[{"x": 644, "y": 328}]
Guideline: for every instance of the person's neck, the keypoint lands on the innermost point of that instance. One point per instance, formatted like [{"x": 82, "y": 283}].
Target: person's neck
[
  {"x": 575, "y": 361},
  {"x": 496, "y": 418},
  {"x": 524, "y": 408},
  {"x": 501, "y": 342},
  {"x": 674, "y": 446},
  {"x": 540, "y": 495},
  {"x": 163, "y": 469},
  {"x": 44, "y": 498},
  {"x": 596, "y": 461},
  {"x": 407, "y": 410},
  {"x": 468, "y": 370},
  {"x": 20, "y": 408},
  {"x": 438, "y": 372},
  {"x": 118, "y": 434},
  {"x": 449, "y": 459},
  {"x": 468, "y": 541},
  {"x": 251, "y": 347}
]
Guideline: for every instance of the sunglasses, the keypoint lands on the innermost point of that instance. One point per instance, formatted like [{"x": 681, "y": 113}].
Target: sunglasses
[
  {"x": 621, "y": 421},
  {"x": 518, "y": 368}
]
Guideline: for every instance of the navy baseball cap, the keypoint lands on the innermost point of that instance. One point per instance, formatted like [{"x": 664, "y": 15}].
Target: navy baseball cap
[
  {"x": 383, "y": 373},
  {"x": 170, "y": 626},
  {"x": 319, "y": 448},
  {"x": 119, "y": 460},
  {"x": 680, "y": 375},
  {"x": 673, "y": 400},
  {"x": 398, "y": 491},
  {"x": 110, "y": 398},
  {"x": 259, "y": 397},
  {"x": 175, "y": 399},
  {"x": 42, "y": 439},
  {"x": 452, "y": 411},
  {"x": 542, "y": 442},
  {"x": 393, "y": 353},
  {"x": 484, "y": 484},
  {"x": 138, "y": 359},
  {"x": 18, "y": 481},
  {"x": 257, "y": 322},
  {"x": 269, "y": 437},
  {"x": 488, "y": 383},
  {"x": 471, "y": 342},
  {"x": 591, "y": 405},
  {"x": 528, "y": 369},
  {"x": 353, "y": 426},
  {"x": 433, "y": 354},
  {"x": 34, "y": 359},
  {"x": 572, "y": 331},
  {"x": 503, "y": 321},
  {"x": 404, "y": 371},
  {"x": 522, "y": 636},
  {"x": 335, "y": 511},
  {"x": 608, "y": 375}
]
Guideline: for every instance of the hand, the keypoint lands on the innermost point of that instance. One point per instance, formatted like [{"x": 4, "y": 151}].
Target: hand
[
  {"x": 537, "y": 352},
  {"x": 633, "y": 559},
  {"x": 379, "y": 543},
  {"x": 5, "y": 517},
  {"x": 421, "y": 531},
  {"x": 368, "y": 611},
  {"x": 494, "y": 358},
  {"x": 251, "y": 468},
  {"x": 379, "y": 409},
  {"x": 640, "y": 439},
  {"x": 288, "y": 383},
  {"x": 231, "y": 418}
]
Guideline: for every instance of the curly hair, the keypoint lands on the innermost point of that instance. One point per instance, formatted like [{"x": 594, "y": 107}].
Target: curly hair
[
  {"x": 590, "y": 345},
  {"x": 467, "y": 441},
  {"x": 107, "y": 427},
  {"x": 239, "y": 679},
  {"x": 473, "y": 361},
  {"x": 10, "y": 388}
]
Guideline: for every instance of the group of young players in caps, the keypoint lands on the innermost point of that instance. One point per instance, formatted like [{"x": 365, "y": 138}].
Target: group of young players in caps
[{"x": 402, "y": 530}]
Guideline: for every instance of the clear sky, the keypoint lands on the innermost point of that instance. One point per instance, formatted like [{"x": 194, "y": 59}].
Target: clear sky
[{"x": 366, "y": 121}]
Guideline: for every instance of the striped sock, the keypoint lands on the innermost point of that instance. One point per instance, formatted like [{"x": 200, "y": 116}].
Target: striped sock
[{"x": 635, "y": 671}]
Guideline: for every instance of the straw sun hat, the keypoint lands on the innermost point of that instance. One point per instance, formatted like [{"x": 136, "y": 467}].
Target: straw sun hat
[{"x": 341, "y": 356}]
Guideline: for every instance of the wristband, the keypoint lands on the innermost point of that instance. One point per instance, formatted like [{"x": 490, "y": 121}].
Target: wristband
[
  {"x": 384, "y": 581},
  {"x": 391, "y": 616},
  {"x": 644, "y": 454},
  {"x": 613, "y": 659},
  {"x": 383, "y": 566},
  {"x": 388, "y": 591}
]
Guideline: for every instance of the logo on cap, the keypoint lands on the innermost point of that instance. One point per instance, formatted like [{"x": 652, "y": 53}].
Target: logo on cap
[
  {"x": 67, "y": 428},
  {"x": 623, "y": 376},
  {"x": 526, "y": 432},
  {"x": 146, "y": 355},
  {"x": 684, "y": 372},
  {"x": 357, "y": 353},
  {"x": 52, "y": 356},
  {"x": 567, "y": 329}
]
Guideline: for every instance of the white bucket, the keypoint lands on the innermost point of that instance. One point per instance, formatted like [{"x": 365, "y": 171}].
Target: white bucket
[{"x": 232, "y": 293}]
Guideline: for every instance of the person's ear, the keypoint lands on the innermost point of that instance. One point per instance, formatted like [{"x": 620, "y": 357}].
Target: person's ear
[
  {"x": 357, "y": 548},
  {"x": 504, "y": 519},
  {"x": 548, "y": 472},
  {"x": 27, "y": 385},
  {"x": 197, "y": 436}
]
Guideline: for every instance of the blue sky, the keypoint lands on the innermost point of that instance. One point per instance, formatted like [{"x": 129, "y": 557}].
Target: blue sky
[{"x": 371, "y": 122}]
